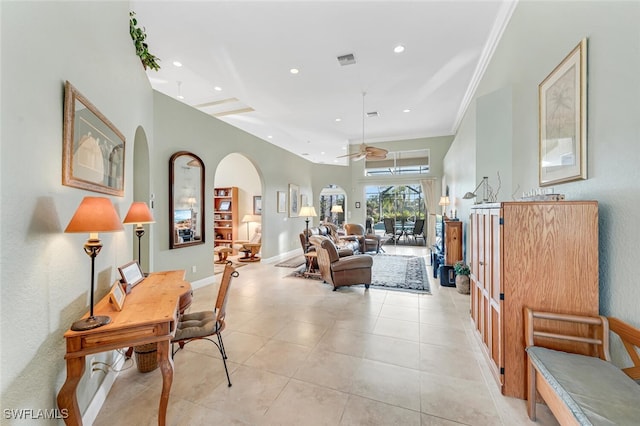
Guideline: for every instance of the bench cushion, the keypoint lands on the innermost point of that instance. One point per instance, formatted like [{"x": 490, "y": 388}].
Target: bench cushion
[{"x": 595, "y": 391}]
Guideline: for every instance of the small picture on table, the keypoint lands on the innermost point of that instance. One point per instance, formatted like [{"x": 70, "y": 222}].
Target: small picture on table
[{"x": 117, "y": 296}]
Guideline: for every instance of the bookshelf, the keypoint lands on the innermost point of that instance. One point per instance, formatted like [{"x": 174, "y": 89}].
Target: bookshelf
[{"x": 225, "y": 216}]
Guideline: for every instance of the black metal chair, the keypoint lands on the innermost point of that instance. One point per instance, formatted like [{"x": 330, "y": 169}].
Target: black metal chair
[
  {"x": 205, "y": 324},
  {"x": 417, "y": 231}
]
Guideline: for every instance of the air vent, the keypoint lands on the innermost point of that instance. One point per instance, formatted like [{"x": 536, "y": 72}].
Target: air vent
[
  {"x": 347, "y": 59},
  {"x": 373, "y": 114}
]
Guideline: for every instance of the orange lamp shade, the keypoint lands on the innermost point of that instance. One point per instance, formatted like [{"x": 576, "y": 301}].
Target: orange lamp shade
[
  {"x": 139, "y": 213},
  {"x": 95, "y": 214}
]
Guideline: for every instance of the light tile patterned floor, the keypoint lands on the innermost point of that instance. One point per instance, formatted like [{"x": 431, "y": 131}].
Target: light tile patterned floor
[{"x": 302, "y": 354}]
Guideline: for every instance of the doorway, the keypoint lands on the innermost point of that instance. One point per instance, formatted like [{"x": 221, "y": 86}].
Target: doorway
[{"x": 400, "y": 205}]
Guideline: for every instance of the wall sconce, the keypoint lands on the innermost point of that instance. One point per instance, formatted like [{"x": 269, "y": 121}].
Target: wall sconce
[
  {"x": 307, "y": 211},
  {"x": 94, "y": 215},
  {"x": 139, "y": 213},
  {"x": 485, "y": 196}
]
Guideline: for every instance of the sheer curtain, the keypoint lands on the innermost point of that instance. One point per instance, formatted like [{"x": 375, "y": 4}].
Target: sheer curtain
[{"x": 428, "y": 189}]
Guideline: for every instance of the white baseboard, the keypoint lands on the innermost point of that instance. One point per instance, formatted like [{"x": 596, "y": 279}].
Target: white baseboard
[{"x": 100, "y": 396}]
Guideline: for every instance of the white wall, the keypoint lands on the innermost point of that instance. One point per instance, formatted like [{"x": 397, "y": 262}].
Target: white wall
[
  {"x": 45, "y": 273},
  {"x": 538, "y": 37}
]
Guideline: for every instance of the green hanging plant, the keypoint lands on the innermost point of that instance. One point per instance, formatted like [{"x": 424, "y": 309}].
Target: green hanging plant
[{"x": 138, "y": 36}]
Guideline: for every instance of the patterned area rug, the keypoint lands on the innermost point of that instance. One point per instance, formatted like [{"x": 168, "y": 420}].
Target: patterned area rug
[
  {"x": 400, "y": 273},
  {"x": 393, "y": 272},
  {"x": 293, "y": 262}
]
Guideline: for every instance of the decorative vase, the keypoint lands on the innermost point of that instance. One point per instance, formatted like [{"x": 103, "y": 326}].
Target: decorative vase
[{"x": 462, "y": 284}]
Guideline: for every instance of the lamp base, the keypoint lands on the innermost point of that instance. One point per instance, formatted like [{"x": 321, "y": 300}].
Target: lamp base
[{"x": 90, "y": 323}]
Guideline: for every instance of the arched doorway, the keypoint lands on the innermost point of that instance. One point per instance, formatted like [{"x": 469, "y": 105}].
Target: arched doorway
[
  {"x": 142, "y": 192},
  {"x": 333, "y": 204}
]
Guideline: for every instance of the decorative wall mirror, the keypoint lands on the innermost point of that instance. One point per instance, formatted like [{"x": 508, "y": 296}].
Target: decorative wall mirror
[{"x": 186, "y": 200}]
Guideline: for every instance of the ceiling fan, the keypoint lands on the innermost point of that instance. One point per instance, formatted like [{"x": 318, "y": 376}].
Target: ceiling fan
[{"x": 371, "y": 153}]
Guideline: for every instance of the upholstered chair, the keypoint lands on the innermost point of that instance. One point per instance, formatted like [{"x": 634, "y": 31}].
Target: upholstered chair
[
  {"x": 341, "y": 271},
  {"x": 250, "y": 247},
  {"x": 368, "y": 242}
]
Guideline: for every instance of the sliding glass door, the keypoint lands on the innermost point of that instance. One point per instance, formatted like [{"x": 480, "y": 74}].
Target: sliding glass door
[{"x": 394, "y": 209}]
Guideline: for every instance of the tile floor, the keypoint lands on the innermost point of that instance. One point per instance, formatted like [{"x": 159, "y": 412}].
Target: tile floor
[{"x": 301, "y": 354}]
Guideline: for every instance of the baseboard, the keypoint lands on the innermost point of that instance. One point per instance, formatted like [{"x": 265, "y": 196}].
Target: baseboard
[
  {"x": 283, "y": 256},
  {"x": 100, "y": 396},
  {"x": 203, "y": 282}
]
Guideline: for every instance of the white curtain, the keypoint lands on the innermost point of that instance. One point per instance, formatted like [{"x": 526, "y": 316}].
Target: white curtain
[{"x": 428, "y": 190}]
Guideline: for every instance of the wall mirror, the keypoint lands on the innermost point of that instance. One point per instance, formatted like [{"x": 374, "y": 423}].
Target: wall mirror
[{"x": 186, "y": 200}]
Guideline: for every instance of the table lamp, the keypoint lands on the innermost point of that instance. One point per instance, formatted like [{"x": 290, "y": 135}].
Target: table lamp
[
  {"x": 139, "y": 213},
  {"x": 307, "y": 211},
  {"x": 444, "y": 202},
  {"x": 248, "y": 218},
  {"x": 95, "y": 214},
  {"x": 337, "y": 209}
]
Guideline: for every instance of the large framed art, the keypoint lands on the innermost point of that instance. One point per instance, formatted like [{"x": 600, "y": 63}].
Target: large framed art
[
  {"x": 93, "y": 148},
  {"x": 294, "y": 200},
  {"x": 563, "y": 120}
]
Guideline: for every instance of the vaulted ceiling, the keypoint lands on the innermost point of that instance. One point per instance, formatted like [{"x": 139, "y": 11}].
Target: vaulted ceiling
[{"x": 236, "y": 59}]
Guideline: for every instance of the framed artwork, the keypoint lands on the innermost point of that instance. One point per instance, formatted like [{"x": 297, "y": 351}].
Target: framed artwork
[
  {"x": 281, "y": 201},
  {"x": 92, "y": 148},
  {"x": 257, "y": 204},
  {"x": 130, "y": 275},
  {"x": 357, "y": 204},
  {"x": 563, "y": 120},
  {"x": 294, "y": 200},
  {"x": 303, "y": 200},
  {"x": 117, "y": 296}
]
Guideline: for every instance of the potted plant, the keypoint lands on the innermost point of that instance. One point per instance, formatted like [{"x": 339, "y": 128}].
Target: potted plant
[
  {"x": 138, "y": 35},
  {"x": 462, "y": 277}
]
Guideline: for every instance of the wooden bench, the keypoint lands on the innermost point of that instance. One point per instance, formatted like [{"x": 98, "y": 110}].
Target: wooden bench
[{"x": 582, "y": 389}]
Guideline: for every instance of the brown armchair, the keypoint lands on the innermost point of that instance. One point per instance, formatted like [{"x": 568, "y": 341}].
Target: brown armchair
[
  {"x": 342, "y": 271},
  {"x": 367, "y": 242}
]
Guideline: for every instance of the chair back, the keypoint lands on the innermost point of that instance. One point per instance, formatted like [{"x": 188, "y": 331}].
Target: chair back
[
  {"x": 389, "y": 225},
  {"x": 354, "y": 229},
  {"x": 418, "y": 226},
  {"x": 369, "y": 225},
  {"x": 223, "y": 291}
]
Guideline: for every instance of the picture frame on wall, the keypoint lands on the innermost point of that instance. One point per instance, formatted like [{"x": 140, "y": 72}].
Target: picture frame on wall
[
  {"x": 303, "y": 200},
  {"x": 294, "y": 200},
  {"x": 93, "y": 149},
  {"x": 563, "y": 120},
  {"x": 257, "y": 204},
  {"x": 281, "y": 201}
]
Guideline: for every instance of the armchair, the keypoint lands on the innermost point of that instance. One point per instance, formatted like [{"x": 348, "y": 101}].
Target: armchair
[
  {"x": 367, "y": 242},
  {"x": 250, "y": 247},
  {"x": 342, "y": 271}
]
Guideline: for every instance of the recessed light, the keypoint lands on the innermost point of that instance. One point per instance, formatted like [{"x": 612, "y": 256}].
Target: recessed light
[
  {"x": 399, "y": 48},
  {"x": 338, "y": 119},
  {"x": 180, "y": 97},
  {"x": 322, "y": 153},
  {"x": 406, "y": 110},
  {"x": 177, "y": 64},
  {"x": 294, "y": 70},
  {"x": 269, "y": 137},
  {"x": 217, "y": 89}
]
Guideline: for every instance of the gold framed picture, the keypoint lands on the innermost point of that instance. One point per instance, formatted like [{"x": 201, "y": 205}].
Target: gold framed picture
[{"x": 563, "y": 120}]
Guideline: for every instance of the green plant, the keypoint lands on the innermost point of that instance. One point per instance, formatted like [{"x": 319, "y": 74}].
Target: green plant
[
  {"x": 138, "y": 35},
  {"x": 461, "y": 268}
]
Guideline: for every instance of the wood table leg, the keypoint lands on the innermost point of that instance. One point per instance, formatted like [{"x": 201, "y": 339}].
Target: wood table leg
[
  {"x": 166, "y": 367},
  {"x": 67, "y": 399}
]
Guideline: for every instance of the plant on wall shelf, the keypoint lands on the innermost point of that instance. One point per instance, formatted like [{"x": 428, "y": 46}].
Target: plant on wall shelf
[{"x": 138, "y": 36}]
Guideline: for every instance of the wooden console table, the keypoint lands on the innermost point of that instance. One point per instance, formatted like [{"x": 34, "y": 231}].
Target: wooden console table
[{"x": 149, "y": 315}]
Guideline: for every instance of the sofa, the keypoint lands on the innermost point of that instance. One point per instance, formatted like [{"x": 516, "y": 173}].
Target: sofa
[
  {"x": 345, "y": 247},
  {"x": 367, "y": 241}
]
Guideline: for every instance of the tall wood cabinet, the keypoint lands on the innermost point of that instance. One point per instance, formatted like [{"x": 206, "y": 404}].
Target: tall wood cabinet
[
  {"x": 225, "y": 216},
  {"x": 452, "y": 241},
  {"x": 543, "y": 255}
]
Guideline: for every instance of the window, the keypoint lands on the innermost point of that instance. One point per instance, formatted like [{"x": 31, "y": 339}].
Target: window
[{"x": 399, "y": 163}]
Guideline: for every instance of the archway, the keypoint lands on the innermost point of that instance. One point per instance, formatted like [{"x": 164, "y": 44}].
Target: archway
[
  {"x": 142, "y": 192},
  {"x": 236, "y": 170},
  {"x": 332, "y": 196}
]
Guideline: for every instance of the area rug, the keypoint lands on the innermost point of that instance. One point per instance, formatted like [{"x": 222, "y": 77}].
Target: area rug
[
  {"x": 293, "y": 262},
  {"x": 393, "y": 272},
  {"x": 398, "y": 272}
]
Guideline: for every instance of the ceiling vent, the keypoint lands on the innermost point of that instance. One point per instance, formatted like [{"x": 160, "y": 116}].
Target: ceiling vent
[
  {"x": 347, "y": 59},
  {"x": 373, "y": 114}
]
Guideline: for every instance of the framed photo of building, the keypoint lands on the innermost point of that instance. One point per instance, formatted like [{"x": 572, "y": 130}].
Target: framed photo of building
[
  {"x": 563, "y": 120},
  {"x": 92, "y": 149}
]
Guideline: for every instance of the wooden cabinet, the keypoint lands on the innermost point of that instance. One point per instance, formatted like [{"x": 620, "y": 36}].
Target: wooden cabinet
[
  {"x": 452, "y": 241},
  {"x": 543, "y": 255},
  {"x": 225, "y": 216}
]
